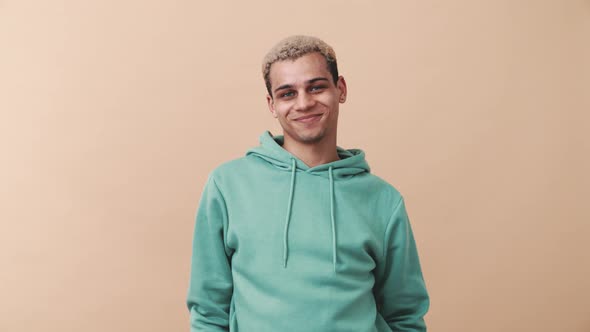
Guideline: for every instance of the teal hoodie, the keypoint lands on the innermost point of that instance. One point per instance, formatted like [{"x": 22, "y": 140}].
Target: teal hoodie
[{"x": 280, "y": 246}]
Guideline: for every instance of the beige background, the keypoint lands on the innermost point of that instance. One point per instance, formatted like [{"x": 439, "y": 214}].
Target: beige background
[{"x": 113, "y": 113}]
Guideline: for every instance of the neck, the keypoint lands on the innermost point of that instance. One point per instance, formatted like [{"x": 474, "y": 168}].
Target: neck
[{"x": 313, "y": 154}]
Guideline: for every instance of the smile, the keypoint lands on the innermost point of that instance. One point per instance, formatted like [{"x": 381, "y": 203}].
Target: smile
[{"x": 310, "y": 118}]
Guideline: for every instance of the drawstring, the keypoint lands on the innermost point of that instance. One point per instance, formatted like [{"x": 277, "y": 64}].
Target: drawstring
[
  {"x": 288, "y": 217},
  {"x": 332, "y": 218},
  {"x": 285, "y": 244}
]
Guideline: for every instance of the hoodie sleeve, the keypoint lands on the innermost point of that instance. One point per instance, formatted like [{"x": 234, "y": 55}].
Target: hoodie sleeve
[
  {"x": 400, "y": 291},
  {"x": 210, "y": 286}
]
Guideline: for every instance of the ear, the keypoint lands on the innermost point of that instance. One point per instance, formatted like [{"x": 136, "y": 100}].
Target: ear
[
  {"x": 341, "y": 86},
  {"x": 271, "y": 105}
]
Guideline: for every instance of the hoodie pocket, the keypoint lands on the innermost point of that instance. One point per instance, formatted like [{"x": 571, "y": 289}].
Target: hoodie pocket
[{"x": 381, "y": 324}]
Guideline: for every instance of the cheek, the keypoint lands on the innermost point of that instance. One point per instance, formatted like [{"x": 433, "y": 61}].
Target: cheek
[
  {"x": 281, "y": 109},
  {"x": 330, "y": 100}
]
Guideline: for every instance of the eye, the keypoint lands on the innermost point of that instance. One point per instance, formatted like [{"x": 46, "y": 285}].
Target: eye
[
  {"x": 317, "y": 87},
  {"x": 287, "y": 94}
]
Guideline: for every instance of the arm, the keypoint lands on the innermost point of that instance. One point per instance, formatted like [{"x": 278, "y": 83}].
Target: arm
[
  {"x": 211, "y": 286},
  {"x": 400, "y": 291}
]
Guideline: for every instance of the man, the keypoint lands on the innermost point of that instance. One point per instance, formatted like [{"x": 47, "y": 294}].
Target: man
[{"x": 298, "y": 235}]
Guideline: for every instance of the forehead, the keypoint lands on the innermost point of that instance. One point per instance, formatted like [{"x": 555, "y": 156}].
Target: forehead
[{"x": 296, "y": 71}]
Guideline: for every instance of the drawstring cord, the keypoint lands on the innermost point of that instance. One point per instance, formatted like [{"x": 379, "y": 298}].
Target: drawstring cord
[
  {"x": 286, "y": 235},
  {"x": 332, "y": 218},
  {"x": 288, "y": 217}
]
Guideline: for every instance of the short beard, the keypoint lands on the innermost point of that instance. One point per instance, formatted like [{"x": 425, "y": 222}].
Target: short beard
[{"x": 313, "y": 139}]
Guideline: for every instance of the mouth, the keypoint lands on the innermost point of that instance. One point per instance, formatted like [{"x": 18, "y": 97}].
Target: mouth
[{"x": 309, "y": 118}]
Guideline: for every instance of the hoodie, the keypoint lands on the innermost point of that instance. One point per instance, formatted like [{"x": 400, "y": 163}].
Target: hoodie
[{"x": 280, "y": 246}]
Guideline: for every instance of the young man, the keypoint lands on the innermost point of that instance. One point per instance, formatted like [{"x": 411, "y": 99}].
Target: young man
[{"x": 298, "y": 235}]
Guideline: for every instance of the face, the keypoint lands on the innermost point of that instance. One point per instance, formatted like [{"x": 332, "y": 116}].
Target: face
[{"x": 305, "y": 99}]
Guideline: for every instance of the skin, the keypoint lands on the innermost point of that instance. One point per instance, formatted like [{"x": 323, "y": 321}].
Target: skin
[{"x": 304, "y": 87}]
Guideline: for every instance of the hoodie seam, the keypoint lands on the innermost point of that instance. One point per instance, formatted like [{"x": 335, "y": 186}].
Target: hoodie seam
[
  {"x": 226, "y": 224},
  {"x": 388, "y": 228}
]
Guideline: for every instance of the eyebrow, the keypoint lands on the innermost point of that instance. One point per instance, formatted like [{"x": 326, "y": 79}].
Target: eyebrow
[{"x": 289, "y": 86}]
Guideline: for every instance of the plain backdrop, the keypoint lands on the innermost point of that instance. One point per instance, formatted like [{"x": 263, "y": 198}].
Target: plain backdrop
[{"x": 113, "y": 113}]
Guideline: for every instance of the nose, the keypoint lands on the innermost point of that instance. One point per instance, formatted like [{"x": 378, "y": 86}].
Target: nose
[{"x": 304, "y": 102}]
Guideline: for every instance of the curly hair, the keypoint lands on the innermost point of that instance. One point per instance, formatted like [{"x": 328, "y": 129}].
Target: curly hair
[{"x": 294, "y": 47}]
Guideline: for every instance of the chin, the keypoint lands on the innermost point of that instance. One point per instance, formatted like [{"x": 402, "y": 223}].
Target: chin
[{"x": 311, "y": 138}]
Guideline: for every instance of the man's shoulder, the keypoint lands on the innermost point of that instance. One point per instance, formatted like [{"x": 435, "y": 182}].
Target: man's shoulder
[
  {"x": 383, "y": 186},
  {"x": 230, "y": 167},
  {"x": 235, "y": 167}
]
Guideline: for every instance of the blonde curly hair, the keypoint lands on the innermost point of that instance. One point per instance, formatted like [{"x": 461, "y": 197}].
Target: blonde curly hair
[{"x": 294, "y": 47}]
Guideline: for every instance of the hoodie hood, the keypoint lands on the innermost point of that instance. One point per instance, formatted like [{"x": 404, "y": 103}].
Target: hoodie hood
[{"x": 352, "y": 162}]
